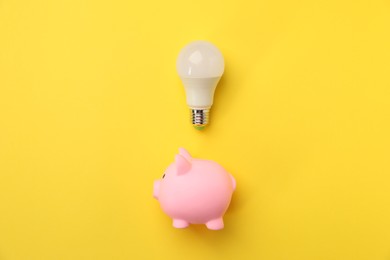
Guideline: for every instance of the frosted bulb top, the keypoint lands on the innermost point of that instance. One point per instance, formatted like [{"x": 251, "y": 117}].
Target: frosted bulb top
[{"x": 200, "y": 59}]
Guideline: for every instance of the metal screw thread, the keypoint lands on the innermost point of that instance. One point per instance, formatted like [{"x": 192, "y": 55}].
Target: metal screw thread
[{"x": 200, "y": 117}]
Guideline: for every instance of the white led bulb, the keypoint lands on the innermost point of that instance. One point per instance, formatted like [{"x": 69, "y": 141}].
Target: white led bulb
[{"x": 200, "y": 66}]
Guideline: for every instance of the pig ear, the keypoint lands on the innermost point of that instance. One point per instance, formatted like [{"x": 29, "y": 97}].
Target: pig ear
[
  {"x": 182, "y": 165},
  {"x": 183, "y": 152}
]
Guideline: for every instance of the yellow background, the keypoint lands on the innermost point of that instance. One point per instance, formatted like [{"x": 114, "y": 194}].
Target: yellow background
[{"x": 92, "y": 111}]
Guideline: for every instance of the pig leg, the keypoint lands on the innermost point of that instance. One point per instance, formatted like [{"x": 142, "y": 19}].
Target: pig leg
[
  {"x": 233, "y": 182},
  {"x": 179, "y": 223},
  {"x": 215, "y": 224}
]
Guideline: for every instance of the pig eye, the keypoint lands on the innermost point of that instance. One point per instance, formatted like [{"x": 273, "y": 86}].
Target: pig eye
[{"x": 163, "y": 176}]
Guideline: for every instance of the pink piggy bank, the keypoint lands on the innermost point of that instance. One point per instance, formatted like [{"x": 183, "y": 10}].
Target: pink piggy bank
[{"x": 195, "y": 191}]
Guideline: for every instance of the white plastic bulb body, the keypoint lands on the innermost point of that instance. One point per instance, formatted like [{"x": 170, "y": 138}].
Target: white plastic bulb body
[{"x": 200, "y": 66}]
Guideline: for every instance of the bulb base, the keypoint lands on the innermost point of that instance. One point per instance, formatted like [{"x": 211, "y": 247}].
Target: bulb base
[{"x": 200, "y": 118}]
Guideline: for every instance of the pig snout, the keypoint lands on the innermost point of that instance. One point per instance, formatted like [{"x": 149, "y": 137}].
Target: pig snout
[{"x": 156, "y": 189}]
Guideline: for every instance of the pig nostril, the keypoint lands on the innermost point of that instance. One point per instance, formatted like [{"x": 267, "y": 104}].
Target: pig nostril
[{"x": 163, "y": 176}]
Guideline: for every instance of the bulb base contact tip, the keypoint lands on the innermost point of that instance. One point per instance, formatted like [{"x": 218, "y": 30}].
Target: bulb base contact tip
[
  {"x": 199, "y": 128},
  {"x": 200, "y": 118}
]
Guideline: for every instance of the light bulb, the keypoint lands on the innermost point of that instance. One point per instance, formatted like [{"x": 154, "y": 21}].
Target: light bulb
[{"x": 200, "y": 66}]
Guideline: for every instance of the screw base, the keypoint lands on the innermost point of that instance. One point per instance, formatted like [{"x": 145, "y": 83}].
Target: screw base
[{"x": 200, "y": 118}]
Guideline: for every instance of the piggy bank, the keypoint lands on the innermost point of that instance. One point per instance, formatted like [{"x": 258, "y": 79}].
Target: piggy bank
[{"x": 195, "y": 191}]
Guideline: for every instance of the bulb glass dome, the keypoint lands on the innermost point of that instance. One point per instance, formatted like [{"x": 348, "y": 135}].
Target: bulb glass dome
[{"x": 200, "y": 59}]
